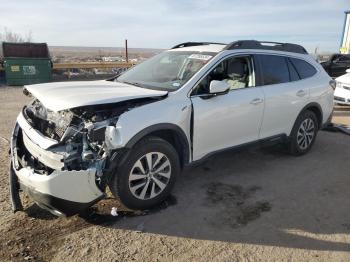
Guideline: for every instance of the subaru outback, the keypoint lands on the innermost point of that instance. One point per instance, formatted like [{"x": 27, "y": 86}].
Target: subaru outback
[{"x": 135, "y": 133}]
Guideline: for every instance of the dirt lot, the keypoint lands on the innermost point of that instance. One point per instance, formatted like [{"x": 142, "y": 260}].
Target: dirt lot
[{"x": 254, "y": 205}]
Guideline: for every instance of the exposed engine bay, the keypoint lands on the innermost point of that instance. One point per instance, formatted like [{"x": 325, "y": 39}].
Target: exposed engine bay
[{"x": 80, "y": 134}]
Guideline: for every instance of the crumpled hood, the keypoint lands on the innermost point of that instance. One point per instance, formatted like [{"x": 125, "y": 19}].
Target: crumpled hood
[{"x": 64, "y": 95}]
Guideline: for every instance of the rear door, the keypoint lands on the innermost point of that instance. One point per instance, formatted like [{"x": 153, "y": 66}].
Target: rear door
[{"x": 285, "y": 94}]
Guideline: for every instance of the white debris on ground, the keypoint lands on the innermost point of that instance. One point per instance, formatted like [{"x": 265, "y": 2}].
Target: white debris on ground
[{"x": 114, "y": 212}]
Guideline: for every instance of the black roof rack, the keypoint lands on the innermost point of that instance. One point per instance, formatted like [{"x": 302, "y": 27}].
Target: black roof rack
[
  {"x": 187, "y": 44},
  {"x": 266, "y": 45}
]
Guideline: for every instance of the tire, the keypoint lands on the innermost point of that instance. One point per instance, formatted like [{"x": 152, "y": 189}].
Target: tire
[
  {"x": 300, "y": 142},
  {"x": 133, "y": 175}
]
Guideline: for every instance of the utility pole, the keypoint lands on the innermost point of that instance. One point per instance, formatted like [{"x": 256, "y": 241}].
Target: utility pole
[{"x": 126, "y": 51}]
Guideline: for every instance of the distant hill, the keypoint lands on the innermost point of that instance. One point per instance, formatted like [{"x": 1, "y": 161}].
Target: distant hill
[
  {"x": 110, "y": 49},
  {"x": 105, "y": 51}
]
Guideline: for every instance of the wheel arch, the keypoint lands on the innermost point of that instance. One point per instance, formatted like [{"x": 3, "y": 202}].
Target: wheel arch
[
  {"x": 316, "y": 109},
  {"x": 169, "y": 132}
]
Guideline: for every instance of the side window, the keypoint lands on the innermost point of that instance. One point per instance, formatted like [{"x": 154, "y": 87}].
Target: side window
[
  {"x": 304, "y": 69},
  {"x": 274, "y": 69},
  {"x": 293, "y": 74},
  {"x": 235, "y": 71}
]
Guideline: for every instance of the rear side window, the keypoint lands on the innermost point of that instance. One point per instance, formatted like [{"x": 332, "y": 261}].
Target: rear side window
[
  {"x": 275, "y": 69},
  {"x": 304, "y": 69},
  {"x": 294, "y": 76}
]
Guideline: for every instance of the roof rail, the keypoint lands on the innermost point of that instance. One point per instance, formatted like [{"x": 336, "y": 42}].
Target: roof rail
[
  {"x": 187, "y": 44},
  {"x": 266, "y": 45}
]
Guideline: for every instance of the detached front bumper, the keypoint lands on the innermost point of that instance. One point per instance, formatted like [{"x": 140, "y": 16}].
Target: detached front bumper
[{"x": 62, "y": 192}]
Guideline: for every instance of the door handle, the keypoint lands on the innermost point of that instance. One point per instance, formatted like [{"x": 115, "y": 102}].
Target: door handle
[
  {"x": 256, "y": 101},
  {"x": 301, "y": 93}
]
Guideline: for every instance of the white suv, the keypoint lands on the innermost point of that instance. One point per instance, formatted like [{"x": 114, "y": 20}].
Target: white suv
[{"x": 135, "y": 133}]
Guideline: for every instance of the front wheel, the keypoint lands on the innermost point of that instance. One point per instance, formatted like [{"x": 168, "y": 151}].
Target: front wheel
[
  {"x": 147, "y": 175},
  {"x": 304, "y": 133}
]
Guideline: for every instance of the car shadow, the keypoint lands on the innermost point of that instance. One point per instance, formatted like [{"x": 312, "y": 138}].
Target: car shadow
[
  {"x": 254, "y": 196},
  {"x": 36, "y": 212}
]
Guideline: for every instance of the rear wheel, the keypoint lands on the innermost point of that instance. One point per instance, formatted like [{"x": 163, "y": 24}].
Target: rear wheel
[
  {"x": 148, "y": 174},
  {"x": 304, "y": 133}
]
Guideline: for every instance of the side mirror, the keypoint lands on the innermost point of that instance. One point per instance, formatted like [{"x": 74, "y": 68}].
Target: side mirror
[
  {"x": 218, "y": 87},
  {"x": 348, "y": 70}
]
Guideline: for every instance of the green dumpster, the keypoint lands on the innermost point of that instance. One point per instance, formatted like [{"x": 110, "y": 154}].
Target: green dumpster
[{"x": 26, "y": 63}]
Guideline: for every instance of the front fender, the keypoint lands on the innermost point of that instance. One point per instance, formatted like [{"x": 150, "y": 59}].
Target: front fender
[{"x": 172, "y": 113}]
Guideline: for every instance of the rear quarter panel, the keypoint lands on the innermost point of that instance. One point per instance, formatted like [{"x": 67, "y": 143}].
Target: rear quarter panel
[{"x": 321, "y": 92}]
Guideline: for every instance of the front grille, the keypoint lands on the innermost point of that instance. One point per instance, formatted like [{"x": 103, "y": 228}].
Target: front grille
[
  {"x": 337, "y": 98},
  {"x": 346, "y": 87},
  {"x": 26, "y": 159},
  {"x": 47, "y": 158},
  {"x": 59, "y": 131}
]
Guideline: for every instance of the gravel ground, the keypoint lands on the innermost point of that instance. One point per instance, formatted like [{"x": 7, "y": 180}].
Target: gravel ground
[{"x": 253, "y": 205}]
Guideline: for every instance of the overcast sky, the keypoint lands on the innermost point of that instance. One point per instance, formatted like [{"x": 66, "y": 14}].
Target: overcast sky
[{"x": 161, "y": 24}]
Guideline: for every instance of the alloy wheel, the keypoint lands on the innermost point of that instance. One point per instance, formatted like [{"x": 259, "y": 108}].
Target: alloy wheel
[
  {"x": 306, "y": 133},
  {"x": 149, "y": 175}
]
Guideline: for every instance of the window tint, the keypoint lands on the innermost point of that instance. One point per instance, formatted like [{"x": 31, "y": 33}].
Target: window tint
[
  {"x": 293, "y": 74},
  {"x": 304, "y": 69},
  {"x": 275, "y": 69}
]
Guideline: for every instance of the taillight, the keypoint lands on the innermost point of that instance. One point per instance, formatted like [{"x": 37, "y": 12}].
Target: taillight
[{"x": 333, "y": 83}]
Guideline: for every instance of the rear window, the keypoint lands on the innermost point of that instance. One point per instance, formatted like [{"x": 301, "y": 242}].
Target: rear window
[
  {"x": 304, "y": 69},
  {"x": 275, "y": 69}
]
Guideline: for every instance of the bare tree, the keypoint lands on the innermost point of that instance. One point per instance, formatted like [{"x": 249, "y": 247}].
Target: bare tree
[{"x": 10, "y": 36}]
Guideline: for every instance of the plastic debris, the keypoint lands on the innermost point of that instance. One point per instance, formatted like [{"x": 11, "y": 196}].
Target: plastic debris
[{"x": 114, "y": 212}]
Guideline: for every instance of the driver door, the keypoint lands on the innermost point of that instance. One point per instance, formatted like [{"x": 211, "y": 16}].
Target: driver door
[{"x": 231, "y": 119}]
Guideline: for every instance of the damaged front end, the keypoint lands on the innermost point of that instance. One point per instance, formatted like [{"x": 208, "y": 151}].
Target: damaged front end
[{"x": 60, "y": 159}]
